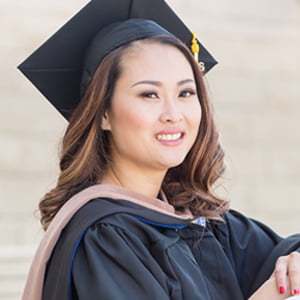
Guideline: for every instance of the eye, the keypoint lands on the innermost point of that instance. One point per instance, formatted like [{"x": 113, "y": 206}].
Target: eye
[
  {"x": 150, "y": 95},
  {"x": 187, "y": 93}
]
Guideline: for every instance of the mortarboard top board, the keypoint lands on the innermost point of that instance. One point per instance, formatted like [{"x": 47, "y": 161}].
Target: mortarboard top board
[{"x": 56, "y": 67}]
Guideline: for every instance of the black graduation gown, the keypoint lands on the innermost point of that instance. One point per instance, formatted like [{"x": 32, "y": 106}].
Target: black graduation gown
[{"x": 115, "y": 249}]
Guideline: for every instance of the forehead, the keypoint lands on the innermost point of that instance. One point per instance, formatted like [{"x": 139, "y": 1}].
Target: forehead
[{"x": 155, "y": 59}]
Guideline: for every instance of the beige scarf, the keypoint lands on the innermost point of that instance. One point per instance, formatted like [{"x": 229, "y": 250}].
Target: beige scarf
[{"x": 34, "y": 283}]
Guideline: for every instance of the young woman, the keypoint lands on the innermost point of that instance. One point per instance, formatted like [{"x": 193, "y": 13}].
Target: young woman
[{"x": 134, "y": 215}]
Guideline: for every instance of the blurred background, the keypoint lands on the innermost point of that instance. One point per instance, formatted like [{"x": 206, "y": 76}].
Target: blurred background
[{"x": 256, "y": 95}]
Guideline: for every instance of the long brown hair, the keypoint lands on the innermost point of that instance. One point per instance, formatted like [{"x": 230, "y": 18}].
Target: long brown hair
[{"x": 85, "y": 153}]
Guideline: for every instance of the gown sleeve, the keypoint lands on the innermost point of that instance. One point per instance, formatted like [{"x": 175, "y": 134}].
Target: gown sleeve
[
  {"x": 111, "y": 263},
  {"x": 252, "y": 248}
]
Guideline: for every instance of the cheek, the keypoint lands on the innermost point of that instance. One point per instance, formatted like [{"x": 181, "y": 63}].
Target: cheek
[
  {"x": 194, "y": 116},
  {"x": 136, "y": 118}
]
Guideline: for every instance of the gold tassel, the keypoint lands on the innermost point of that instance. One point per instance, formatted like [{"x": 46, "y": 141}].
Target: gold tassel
[{"x": 196, "y": 49}]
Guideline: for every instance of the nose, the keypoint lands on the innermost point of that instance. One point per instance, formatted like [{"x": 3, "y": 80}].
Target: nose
[{"x": 171, "y": 113}]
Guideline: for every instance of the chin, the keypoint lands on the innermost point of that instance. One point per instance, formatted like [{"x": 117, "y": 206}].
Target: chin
[{"x": 173, "y": 164}]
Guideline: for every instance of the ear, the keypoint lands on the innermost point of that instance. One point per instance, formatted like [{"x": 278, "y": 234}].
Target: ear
[{"x": 105, "y": 123}]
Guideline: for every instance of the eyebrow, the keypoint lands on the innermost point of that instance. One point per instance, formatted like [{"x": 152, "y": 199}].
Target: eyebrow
[{"x": 158, "y": 83}]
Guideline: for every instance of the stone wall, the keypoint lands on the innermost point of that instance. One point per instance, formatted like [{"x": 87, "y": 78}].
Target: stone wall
[{"x": 256, "y": 95}]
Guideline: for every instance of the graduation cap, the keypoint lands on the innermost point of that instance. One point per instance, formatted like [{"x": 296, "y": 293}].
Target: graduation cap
[{"x": 59, "y": 67}]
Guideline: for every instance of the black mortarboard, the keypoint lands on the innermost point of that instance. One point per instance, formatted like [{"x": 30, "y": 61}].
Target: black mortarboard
[{"x": 56, "y": 67}]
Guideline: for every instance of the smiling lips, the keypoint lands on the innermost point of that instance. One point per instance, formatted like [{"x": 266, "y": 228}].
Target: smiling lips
[{"x": 170, "y": 139}]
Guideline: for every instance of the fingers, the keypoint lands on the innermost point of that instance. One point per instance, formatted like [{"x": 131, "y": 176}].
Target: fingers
[
  {"x": 294, "y": 272},
  {"x": 280, "y": 273},
  {"x": 287, "y": 273}
]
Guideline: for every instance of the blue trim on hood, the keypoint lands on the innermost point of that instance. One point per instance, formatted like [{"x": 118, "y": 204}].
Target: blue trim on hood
[{"x": 159, "y": 224}]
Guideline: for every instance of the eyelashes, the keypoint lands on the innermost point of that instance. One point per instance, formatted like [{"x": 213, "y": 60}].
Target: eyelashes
[
  {"x": 186, "y": 93},
  {"x": 150, "y": 95}
]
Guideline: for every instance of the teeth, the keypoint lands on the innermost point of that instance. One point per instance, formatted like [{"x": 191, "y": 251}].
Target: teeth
[{"x": 169, "y": 137}]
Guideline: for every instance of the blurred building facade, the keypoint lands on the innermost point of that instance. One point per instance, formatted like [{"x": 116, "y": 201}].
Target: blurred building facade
[{"x": 255, "y": 91}]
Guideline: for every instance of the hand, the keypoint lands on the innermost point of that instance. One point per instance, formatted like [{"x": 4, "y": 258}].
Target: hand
[
  {"x": 287, "y": 274},
  {"x": 268, "y": 291}
]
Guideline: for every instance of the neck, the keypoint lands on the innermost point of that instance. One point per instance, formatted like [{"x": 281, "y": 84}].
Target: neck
[{"x": 143, "y": 183}]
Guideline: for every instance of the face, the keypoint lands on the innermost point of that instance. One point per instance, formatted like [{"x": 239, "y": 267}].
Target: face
[{"x": 155, "y": 111}]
